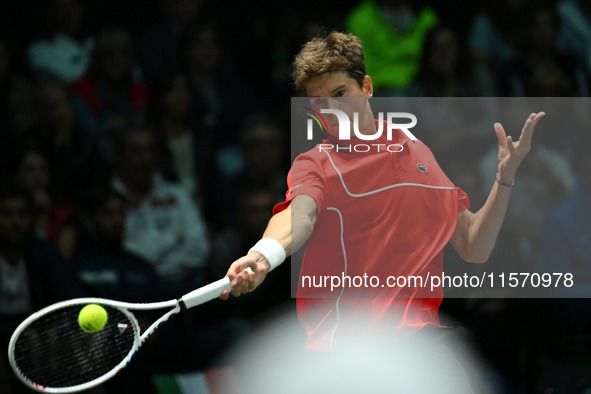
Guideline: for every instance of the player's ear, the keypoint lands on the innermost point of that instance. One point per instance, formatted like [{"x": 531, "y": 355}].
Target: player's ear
[{"x": 367, "y": 86}]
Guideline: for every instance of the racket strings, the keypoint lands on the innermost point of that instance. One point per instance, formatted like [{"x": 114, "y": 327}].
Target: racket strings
[{"x": 55, "y": 352}]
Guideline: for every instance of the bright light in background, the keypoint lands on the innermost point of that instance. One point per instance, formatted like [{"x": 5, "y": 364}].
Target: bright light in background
[{"x": 273, "y": 360}]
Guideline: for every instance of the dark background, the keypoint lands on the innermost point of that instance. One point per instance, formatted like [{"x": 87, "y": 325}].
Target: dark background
[{"x": 531, "y": 345}]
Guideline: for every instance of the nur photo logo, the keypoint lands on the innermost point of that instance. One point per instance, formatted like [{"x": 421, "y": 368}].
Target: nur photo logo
[{"x": 349, "y": 129}]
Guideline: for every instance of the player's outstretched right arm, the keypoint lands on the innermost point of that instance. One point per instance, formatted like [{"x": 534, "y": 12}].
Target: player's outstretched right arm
[{"x": 287, "y": 231}]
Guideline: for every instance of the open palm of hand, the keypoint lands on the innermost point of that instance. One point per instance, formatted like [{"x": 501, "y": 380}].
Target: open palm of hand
[{"x": 512, "y": 153}]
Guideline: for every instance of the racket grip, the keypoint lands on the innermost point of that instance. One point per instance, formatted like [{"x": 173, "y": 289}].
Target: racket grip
[{"x": 207, "y": 293}]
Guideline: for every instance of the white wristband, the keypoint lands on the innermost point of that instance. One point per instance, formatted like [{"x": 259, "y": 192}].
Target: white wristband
[{"x": 271, "y": 250}]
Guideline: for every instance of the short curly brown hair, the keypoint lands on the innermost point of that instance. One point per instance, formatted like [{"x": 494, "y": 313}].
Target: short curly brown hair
[{"x": 335, "y": 51}]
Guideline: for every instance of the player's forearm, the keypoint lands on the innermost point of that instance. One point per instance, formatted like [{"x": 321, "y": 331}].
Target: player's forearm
[
  {"x": 291, "y": 229},
  {"x": 484, "y": 226},
  {"x": 287, "y": 231}
]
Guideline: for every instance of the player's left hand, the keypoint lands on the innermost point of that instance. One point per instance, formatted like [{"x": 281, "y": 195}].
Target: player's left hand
[{"x": 511, "y": 153}]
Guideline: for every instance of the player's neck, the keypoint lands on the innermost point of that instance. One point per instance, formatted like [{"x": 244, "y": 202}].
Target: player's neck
[{"x": 366, "y": 125}]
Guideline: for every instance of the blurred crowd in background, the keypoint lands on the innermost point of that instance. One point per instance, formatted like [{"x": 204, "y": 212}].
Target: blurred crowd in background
[{"x": 143, "y": 144}]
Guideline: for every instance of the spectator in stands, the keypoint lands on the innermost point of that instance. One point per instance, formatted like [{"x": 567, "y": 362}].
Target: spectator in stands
[
  {"x": 446, "y": 71},
  {"x": 74, "y": 158},
  {"x": 567, "y": 237},
  {"x": 158, "y": 46},
  {"x": 253, "y": 214},
  {"x": 393, "y": 34},
  {"x": 15, "y": 97},
  {"x": 65, "y": 53},
  {"x": 112, "y": 95},
  {"x": 540, "y": 70},
  {"x": 32, "y": 274},
  {"x": 575, "y": 36},
  {"x": 497, "y": 32},
  {"x": 163, "y": 224},
  {"x": 567, "y": 249},
  {"x": 186, "y": 153},
  {"x": 220, "y": 99},
  {"x": 49, "y": 210},
  {"x": 102, "y": 266},
  {"x": 262, "y": 147}
]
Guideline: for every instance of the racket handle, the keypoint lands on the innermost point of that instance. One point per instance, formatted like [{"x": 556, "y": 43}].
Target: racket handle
[{"x": 207, "y": 293}]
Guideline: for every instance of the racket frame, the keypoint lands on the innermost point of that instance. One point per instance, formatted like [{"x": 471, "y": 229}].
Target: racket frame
[{"x": 189, "y": 300}]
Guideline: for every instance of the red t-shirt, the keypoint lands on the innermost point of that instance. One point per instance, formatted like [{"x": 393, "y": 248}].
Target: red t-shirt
[{"x": 380, "y": 214}]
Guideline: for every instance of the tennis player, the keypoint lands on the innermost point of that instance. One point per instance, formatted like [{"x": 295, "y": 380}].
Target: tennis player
[{"x": 383, "y": 213}]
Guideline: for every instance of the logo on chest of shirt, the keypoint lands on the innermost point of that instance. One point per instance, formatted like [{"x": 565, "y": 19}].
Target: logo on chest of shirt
[{"x": 421, "y": 167}]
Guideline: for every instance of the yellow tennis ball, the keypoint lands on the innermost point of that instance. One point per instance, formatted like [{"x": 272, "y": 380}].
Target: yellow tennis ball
[{"x": 92, "y": 318}]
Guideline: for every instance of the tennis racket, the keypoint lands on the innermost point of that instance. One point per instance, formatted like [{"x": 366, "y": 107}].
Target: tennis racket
[{"x": 50, "y": 353}]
